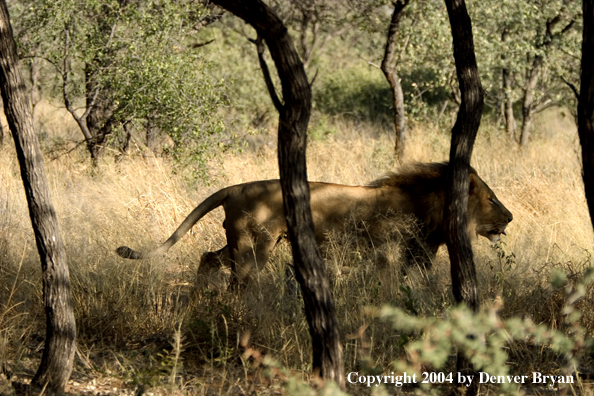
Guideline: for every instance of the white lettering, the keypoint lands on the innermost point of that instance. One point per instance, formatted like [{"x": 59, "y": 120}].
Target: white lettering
[{"x": 349, "y": 377}]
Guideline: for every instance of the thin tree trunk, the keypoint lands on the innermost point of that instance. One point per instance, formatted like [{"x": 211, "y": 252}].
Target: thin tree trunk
[
  {"x": 508, "y": 107},
  {"x": 306, "y": 18},
  {"x": 151, "y": 138},
  {"x": 586, "y": 105},
  {"x": 58, "y": 354},
  {"x": 510, "y": 120},
  {"x": 389, "y": 69},
  {"x": 292, "y": 132},
  {"x": 528, "y": 102},
  {"x": 34, "y": 74},
  {"x": 99, "y": 120},
  {"x": 464, "y": 282}
]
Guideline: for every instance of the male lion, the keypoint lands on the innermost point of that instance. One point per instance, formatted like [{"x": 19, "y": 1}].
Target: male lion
[{"x": 255, "y": 221}]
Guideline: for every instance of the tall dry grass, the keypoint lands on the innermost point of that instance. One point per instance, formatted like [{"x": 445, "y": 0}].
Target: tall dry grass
[{"x": 155, "y": 322}]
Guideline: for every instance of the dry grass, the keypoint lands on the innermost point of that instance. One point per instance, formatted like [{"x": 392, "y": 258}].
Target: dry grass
[{"x": 128, "y": 313}]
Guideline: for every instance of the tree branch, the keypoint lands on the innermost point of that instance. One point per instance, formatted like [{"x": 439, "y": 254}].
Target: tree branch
[
  {"x": 269, "y": 84},
  {"x": 66, "y": 70},
  {"x": 573, "y": 88},
  {"x": 198, "y": 45}
]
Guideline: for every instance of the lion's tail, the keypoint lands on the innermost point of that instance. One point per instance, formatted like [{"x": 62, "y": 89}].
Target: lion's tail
[{"x": 210, "y": 203}]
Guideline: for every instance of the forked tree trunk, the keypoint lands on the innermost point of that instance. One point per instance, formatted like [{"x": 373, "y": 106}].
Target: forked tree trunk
[
  {"x": 586, "y": 105},
  {"x": 58, "y": 354},
  {"x": 464, "y": 282},
  {"x": 292, "y": 139},
  {"x": 551, "y": 34},
  {"x": 389, "y": 68}
]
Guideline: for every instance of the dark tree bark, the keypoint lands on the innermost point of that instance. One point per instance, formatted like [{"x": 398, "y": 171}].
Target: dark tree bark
[
  {"x": 463, "y": 137},
  {"x": 292, "y": 138},
  {"x": 389, "y": 68},
  {"x": 58, "y": 354},
  {"x": 586, "y": 105},
  {"x": 464, "y": 283}
]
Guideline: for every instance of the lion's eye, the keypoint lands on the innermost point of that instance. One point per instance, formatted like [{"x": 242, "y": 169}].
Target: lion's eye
[{"x": 492, "y": 201}]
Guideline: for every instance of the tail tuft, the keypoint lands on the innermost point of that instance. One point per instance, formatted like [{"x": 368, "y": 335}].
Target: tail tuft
[{"x": 126, "y": 252}]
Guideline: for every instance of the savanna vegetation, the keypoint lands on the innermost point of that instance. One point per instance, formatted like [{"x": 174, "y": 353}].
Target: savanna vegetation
[{"x": 143, "y": 109}]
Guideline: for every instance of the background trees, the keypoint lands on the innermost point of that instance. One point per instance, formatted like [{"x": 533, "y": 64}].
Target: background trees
[
  {"x": 119, "y": 66},
  {"x": 523, "y": 57}
]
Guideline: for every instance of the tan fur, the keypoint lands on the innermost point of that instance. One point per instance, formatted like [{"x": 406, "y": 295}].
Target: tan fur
[{"x": 254, "y": 215}]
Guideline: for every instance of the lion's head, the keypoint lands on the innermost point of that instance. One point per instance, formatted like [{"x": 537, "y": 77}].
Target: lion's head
[
  {"x": 486, "y": 213},
  {"x": 424, "y": 187}
]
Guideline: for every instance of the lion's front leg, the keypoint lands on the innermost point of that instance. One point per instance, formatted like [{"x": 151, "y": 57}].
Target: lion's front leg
[{"x": 419, "y": 252}]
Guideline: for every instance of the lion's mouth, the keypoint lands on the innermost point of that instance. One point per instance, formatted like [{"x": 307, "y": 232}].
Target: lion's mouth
[{"x": 495, "y": 234}]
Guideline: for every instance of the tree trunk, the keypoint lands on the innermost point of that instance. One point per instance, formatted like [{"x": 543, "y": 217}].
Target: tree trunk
[
  {"x": 292, "y": 132},
  {"x": 36, "y": 97},
  {"x": 58, "y": 354},
  {"x": 99, "y": 118},
  {"x": 306, "y": 18},
  {"x": 151, "y": 138},
  {"x": 389, "y": 69},
  {"x": 508, "y": 107},
  {"x": 510, "y": 120},
  {"x": 464, "y": 283},
  {"x": 586, "y": 105},
  {"x": 528, "y": 102}
]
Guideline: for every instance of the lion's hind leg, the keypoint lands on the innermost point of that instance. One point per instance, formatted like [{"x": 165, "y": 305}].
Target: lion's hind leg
[
  {"x": 248, "y": 257},
  {"x": 214, "y": 269},
  {"x": 213, "y": 261}
]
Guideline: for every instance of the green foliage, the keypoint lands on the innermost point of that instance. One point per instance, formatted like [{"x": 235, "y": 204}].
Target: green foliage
[
  {"x": 425, "y": 59},
  {"x": 164, "y": 83},
  {"x": 359, "y": 92},
  {"x": 143, "y": 57},
  {"x": 525, "y": 23},
  {"x": 484, "y": 337}
]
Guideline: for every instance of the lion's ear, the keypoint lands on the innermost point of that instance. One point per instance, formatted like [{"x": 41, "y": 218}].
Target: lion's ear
[{"x": 473, "y": 183}]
